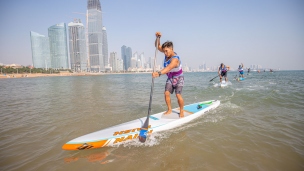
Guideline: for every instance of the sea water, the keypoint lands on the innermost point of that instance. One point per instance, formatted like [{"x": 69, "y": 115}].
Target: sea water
[{"x": 259, "y": 124}]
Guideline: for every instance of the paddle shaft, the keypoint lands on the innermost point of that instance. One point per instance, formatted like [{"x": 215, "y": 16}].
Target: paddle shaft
[
  {"x": 146, "y": 124},
  {"x": 213, "y": 78}
]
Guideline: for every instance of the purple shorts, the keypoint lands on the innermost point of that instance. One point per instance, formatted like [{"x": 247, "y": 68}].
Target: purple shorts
[
  {"x": 176, "y": 84},
  {"x": 224, "y": 74}
]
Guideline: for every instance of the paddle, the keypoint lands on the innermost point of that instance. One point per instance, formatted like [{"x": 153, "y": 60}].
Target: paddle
[
  {"x": 143, "y": 130},
  {"x": 213, "y": 78},
  {"x": 235, "y": 77}
]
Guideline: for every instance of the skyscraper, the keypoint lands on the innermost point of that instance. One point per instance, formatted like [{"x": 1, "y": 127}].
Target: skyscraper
[
  {"x": 105, "y": 46},
  {"x": 94, "y": 18},
  {"x": 133, "y": 62},
  {"x": 119, "y": 63},
  {"x": 126, "y": 55},
  {"x": 113, "y": 61},
  {"x": 142, "y": 59},
  {"x": 40, "y": 50},
  {"x": 138, "y": 63},
  {"x": 77, "y": 45},
  {"x": 129, "y": 56},
  {"x": 58, "y": 46},
  {"x": 151, "y": 62}
]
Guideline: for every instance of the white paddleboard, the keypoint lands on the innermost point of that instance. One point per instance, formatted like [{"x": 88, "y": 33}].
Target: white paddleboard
[
  {"x": 130, "y": 130},
  {"x": 223, "y": 84}
]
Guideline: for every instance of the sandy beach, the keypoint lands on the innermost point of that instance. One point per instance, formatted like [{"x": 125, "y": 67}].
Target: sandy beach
[{"x": 25, "y": 75}]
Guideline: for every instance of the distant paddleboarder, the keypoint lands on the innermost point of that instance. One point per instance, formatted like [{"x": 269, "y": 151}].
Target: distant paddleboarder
[
  {"x": 173, "y": 69},
  {"x": 222, "y": 72},
  {"x": 248, "y": 71},
  {"x": 241, "y": 70}
]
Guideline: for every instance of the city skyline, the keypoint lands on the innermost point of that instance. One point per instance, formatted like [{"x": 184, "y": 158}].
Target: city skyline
[{"x": 253, "y": 32}]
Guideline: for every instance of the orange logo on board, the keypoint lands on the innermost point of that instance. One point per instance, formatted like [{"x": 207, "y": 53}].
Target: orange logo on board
[{"x": 128, "y": 137}]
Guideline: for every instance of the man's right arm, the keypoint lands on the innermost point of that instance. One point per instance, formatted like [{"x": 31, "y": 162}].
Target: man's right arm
[{"x": 157, "y": 41}]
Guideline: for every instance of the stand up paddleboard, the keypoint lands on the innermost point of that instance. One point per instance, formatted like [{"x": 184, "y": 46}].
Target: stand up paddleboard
[
  {"x": 130, "y": 130},
  {"x": 223, "y": 84},
  {"x": 240, "y": 79}
]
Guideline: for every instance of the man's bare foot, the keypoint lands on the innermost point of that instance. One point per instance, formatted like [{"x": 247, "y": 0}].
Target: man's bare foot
[
  {"x": 181, "y": 114},
  {"x": 168, "y": 112}
]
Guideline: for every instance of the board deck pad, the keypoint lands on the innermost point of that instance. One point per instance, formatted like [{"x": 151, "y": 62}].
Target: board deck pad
[
  {"x": 175, "y": 114},
  {"x": 188, "y": 110}
]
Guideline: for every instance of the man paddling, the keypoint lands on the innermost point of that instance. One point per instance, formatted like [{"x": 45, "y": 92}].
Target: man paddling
[
  {"x": 173, "y": 69},
  {"x": 241, "y": 70},
  {"x": 222, "y": 72}
]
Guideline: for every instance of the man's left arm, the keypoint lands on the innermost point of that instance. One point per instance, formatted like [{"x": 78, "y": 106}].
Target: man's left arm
[{"x": 174, "y": 62}]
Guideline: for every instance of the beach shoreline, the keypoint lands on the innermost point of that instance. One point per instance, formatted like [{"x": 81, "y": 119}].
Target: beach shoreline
[{"x": 34, "y": 75}]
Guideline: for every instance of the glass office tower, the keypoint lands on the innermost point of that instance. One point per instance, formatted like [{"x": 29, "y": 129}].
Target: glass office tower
[
  {"x": 58, "y": 46},
  {"x": 77, "y": 46},
  {"x": 105, "y": 47},
  {"x": 94, "y": 18},
  {"x": 126, "y": 55},
  {"x": 40, "y": 50}
]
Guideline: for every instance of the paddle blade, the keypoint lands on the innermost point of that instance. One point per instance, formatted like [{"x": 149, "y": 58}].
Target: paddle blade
[{"x": 143, "y": 135}]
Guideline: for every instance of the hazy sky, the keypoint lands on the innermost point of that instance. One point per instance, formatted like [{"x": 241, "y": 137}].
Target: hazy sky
[{"x": 265, "y": 32}]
